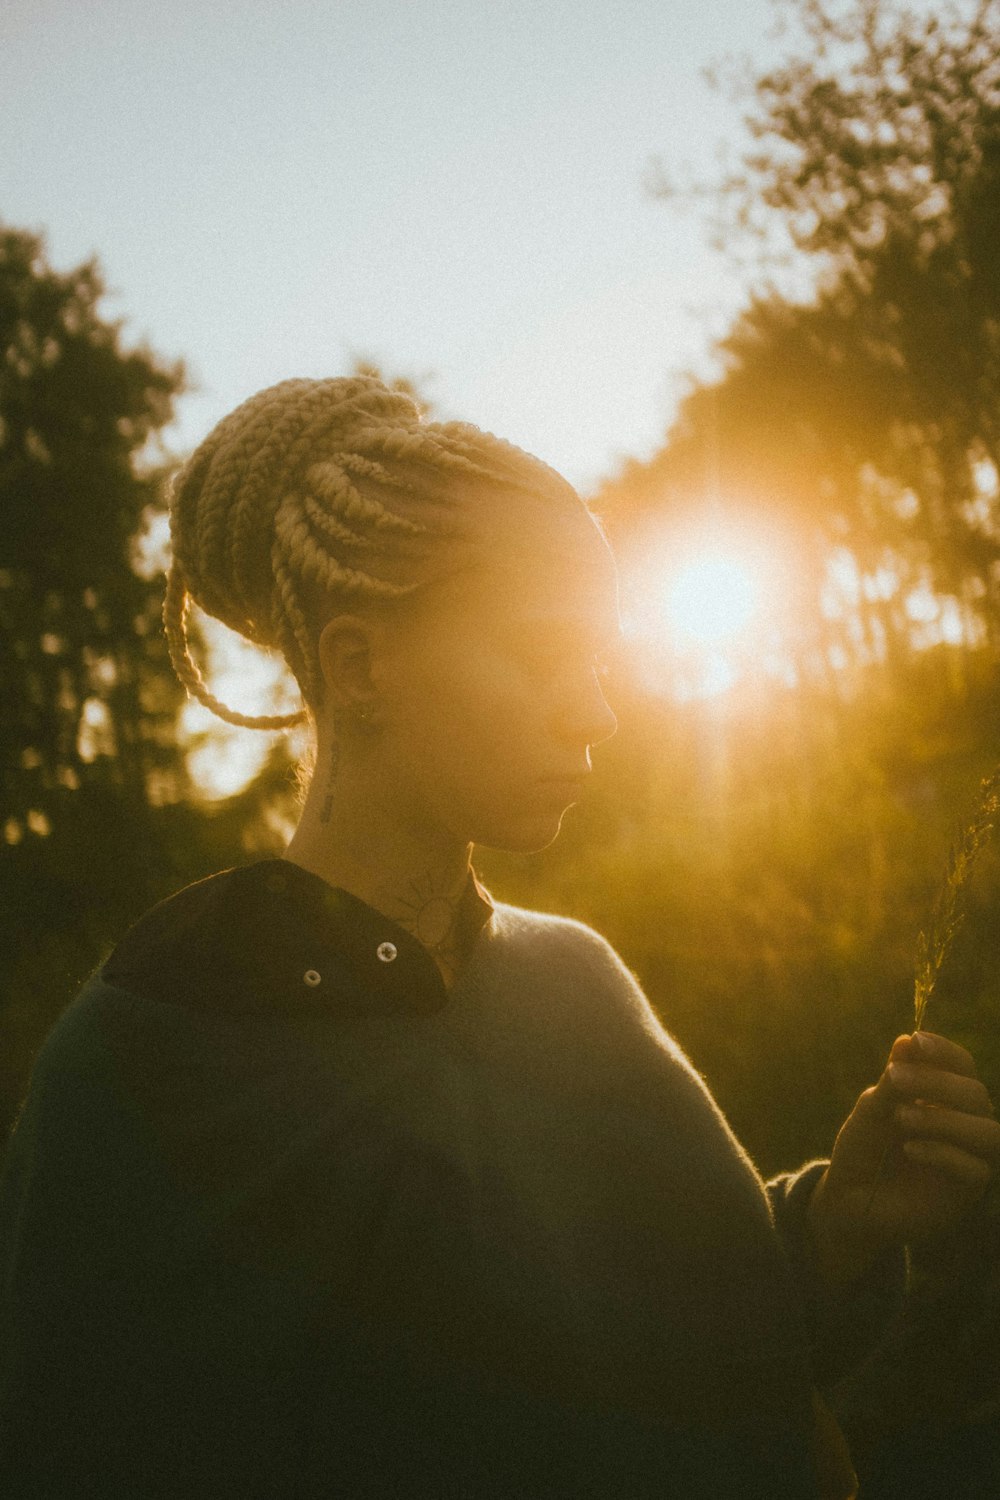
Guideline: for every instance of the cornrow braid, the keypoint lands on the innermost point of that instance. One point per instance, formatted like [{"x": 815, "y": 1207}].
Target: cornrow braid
[
  {"x": 175, "y": 609},
  {"x": 320, "y": 489}
]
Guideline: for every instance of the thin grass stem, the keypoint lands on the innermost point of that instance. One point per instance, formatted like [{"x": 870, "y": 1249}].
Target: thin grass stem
[{"x": 934, "y": 943}]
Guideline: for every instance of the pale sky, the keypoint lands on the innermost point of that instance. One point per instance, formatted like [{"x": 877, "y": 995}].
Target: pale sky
[{"x": 452, "y": 188}]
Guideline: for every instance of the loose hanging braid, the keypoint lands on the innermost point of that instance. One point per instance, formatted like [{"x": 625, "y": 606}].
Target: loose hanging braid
[{"x": 317, "y": 488}]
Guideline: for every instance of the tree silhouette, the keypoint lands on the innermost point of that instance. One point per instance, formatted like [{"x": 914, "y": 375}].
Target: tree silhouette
[
  {"x": 88, "y": 743},
  {"x": 867, "y": 416},
  {"x": 85, "y": 700}
]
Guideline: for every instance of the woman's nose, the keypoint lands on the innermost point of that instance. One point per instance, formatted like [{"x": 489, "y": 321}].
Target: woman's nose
[{"x": 606, "y": 724}]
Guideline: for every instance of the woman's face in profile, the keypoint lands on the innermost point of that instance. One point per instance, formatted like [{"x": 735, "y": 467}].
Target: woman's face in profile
[{"x": 494, "y": 686}]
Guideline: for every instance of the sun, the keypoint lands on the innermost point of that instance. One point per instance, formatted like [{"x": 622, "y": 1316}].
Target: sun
[
  {"x": 713, "y": 603},
  {"x": 712, "y": 599}
]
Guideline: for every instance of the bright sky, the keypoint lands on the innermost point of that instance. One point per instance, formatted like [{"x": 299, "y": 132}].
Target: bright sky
[{"x": 451, "y": 188}]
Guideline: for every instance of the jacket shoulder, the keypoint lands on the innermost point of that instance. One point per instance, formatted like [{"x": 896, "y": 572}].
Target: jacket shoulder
[
  {"x": 547, "y": 938},
  {"x": 195, "y": 946},
  {"x": 578, "y": 961}
]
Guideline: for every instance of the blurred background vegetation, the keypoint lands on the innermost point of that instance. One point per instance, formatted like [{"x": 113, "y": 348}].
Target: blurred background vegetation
[{"x": 767, "y": 832}]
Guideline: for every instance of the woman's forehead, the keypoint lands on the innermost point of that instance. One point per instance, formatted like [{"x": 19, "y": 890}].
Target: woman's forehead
[{"x": 554, "y": 572}]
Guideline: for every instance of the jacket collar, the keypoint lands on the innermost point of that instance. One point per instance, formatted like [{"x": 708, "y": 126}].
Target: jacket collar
[{"x": 271, "y": 936}]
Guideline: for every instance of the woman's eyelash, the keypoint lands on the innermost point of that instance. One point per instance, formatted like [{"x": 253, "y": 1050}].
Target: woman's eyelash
[{"x": 553, "y": 656}]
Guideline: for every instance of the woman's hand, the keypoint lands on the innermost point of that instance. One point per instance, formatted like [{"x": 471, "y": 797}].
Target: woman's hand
[{"x": 912, "y": 1157}]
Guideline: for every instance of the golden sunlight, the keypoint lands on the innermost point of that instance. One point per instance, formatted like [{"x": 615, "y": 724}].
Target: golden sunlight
[
  {"x": 712, "y": 598},
  {"x": 711, "y": 605}
]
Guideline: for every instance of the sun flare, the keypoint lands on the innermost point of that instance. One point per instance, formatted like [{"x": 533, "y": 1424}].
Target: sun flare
[
  {"x": 712, "y": 599},
  {"x": 710, "y": 605}
]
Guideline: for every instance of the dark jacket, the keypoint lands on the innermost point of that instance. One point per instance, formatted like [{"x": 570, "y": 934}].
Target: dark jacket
[{"x": 283, "y": 1216}]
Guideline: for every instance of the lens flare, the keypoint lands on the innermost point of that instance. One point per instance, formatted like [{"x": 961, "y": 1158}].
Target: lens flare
[{"x": 712, "y": 599}]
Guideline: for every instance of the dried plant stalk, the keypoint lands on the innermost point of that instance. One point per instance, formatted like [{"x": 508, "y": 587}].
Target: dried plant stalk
[
  {"x": 933, "y": 949},
  {"x": 934, "y": 944}
]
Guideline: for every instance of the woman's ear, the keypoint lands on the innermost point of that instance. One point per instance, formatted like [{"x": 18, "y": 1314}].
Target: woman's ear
[{"x": 345, "y": 662}]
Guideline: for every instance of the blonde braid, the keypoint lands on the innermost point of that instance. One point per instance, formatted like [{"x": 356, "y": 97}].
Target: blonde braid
[
  {"x": 294, "y": 544},
  {"x": 175, "y": 607},
  {"x": 330, "y": 482},
  {"x": 279, "y": 504},
  {"x": 328, "y": 525}
]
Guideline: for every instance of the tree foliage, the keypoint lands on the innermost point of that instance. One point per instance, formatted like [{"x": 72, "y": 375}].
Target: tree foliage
[
  {"x": 86, "y": 700},
  {"x": 856, "y": 423},
  {"x": 88, "y": 745},
  {"x": 866, "y": 416}
]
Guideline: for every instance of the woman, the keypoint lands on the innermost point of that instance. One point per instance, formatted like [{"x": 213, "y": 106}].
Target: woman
[{"x": 340, "y": 1177}]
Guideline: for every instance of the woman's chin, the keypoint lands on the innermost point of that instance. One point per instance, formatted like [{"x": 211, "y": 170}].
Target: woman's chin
[{"x": 528, "y": 834}]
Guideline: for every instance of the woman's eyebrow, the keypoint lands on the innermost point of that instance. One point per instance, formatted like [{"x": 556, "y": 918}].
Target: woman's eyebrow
[{"x": 572, "y": 630}]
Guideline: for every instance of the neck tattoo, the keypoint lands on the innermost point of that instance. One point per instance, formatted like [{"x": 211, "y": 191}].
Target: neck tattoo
[{"x": 431, "y": 914}]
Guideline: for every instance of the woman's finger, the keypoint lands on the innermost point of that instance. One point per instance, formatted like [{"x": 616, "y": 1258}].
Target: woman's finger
[
  {"x": 940, "y": 1052},
  {"x": 979, "y": 1134},
  {"x": 956, "y": 1090},
  {"x": 963, "y": 1167}
]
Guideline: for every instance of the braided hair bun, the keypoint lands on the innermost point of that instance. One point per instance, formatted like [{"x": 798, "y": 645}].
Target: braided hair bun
[{"x": 320, "y": 489}]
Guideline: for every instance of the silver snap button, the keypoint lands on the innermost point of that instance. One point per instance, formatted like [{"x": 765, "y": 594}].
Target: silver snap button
[
  {"x": 311, "y": 977},
  {"x": 386, "y": 952}
]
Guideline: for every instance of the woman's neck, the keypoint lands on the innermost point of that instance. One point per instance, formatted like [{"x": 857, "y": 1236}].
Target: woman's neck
[{"x": 419, "y": 882}]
